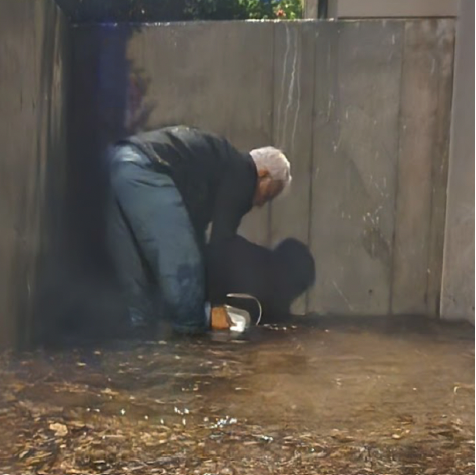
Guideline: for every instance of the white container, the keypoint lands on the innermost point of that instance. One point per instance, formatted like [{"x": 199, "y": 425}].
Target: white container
[{"x": 241, "y": 318}]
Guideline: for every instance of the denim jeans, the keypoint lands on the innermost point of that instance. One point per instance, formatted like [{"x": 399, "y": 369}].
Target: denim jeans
[{"x": 153, "y": 245}]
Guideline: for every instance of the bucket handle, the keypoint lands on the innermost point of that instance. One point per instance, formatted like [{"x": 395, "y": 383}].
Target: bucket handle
[{"x": 249, "y": 297}]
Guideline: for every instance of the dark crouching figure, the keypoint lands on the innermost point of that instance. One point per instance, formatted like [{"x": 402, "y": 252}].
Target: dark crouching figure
[
  {"x": 166, "y": 187},
  {"x": 276, "y": 277}
]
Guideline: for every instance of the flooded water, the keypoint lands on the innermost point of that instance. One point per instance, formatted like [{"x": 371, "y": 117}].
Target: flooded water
[{"x": 368, "y": 398}]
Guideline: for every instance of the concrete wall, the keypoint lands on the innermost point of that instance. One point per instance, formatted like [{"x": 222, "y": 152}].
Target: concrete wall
[
  {"x": 362, "y": 109},
  {"x": 34, "y": 54},
  {"x": 391, "y": 8},
  {"x": 458, "y": 275}
]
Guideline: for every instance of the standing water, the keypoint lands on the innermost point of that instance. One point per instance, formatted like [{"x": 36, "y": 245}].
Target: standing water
[{"x": 352, "y": 398}]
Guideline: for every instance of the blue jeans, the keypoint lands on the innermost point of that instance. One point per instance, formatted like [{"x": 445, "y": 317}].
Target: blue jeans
[{"x": 153, "y": 245}]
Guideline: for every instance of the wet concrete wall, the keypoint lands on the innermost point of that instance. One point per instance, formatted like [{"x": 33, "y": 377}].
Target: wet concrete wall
[
  {"x": 362, "y": 109},
  {"x": 458, "y": 276},
  {"x": 34, "y": 64}
]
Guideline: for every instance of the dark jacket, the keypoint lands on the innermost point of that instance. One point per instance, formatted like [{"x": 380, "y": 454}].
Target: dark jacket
[{"x": 216, "y": 181}]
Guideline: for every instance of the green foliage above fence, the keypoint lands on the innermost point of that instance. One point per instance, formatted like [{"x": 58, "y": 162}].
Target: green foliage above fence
[{"x": 84, "y": 11}]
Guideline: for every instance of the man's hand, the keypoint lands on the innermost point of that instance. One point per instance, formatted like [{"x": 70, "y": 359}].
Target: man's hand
[{"x": 220, "y": 319}]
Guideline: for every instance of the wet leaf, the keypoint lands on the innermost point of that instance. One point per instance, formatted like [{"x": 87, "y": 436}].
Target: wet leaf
[
  {"x": 344, "y": 438},
  {"x": 60, "y": 430}
]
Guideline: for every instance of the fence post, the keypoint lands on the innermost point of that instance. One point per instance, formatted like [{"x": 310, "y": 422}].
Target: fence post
[{"x": 311, "y": 9}]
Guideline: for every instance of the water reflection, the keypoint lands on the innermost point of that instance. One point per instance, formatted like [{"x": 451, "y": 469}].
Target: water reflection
[{"x": 343, "y": 399}]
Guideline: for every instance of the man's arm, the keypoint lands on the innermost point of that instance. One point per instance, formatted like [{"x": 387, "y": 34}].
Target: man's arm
[{"x": 233, "y": 200}]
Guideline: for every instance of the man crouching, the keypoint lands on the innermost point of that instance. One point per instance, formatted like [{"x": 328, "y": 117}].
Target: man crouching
[{"x": 167, "y": 186}]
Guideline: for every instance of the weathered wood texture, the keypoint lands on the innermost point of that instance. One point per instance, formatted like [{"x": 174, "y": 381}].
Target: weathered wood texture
[{"x": 34, "y": 54}]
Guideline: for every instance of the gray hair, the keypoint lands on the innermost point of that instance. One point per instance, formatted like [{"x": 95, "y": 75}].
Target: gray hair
[{"x": 275, "y": 162}]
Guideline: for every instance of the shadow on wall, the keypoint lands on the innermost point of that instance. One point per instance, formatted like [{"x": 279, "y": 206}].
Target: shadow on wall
[{"x": 107, "y": 104}]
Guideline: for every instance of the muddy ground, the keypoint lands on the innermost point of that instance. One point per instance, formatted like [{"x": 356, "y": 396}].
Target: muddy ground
[{"x": 346, "y": 397}]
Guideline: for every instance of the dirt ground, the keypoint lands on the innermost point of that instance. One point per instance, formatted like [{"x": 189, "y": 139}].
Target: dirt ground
[{"x": 346, "y": 397}]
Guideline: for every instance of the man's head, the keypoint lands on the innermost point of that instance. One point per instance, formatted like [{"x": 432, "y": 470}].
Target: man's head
[{"x": 274, "y": 174}]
